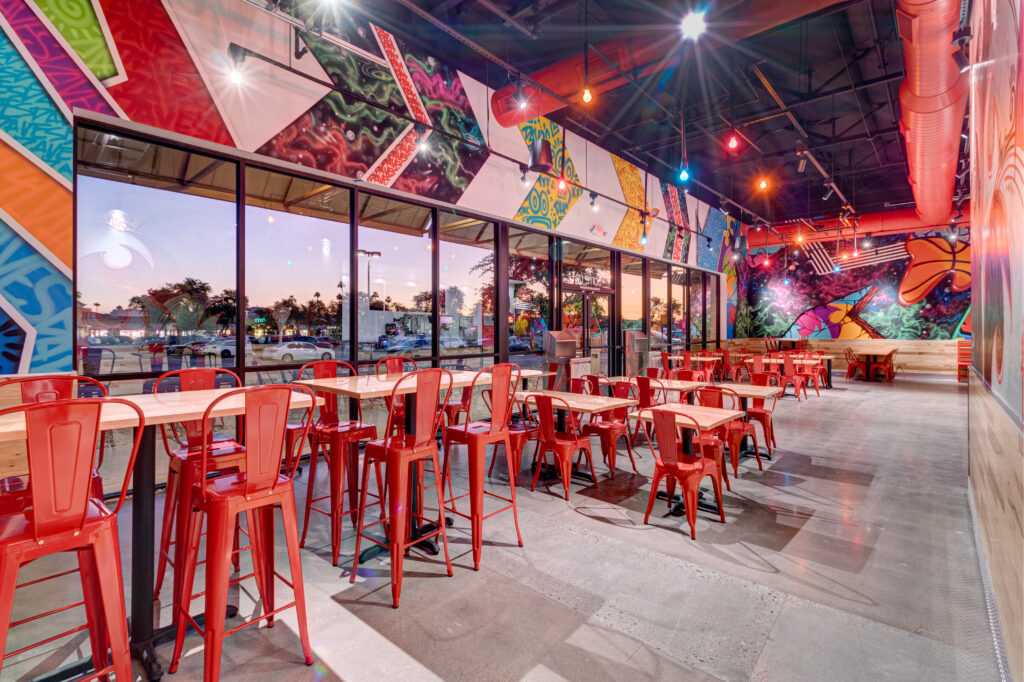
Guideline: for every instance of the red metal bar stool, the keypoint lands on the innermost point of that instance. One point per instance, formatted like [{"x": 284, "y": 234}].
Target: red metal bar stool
[
  {"x": 790, "y": 376},
  {"x": 672, "y": 464},
  {"x": 338, "y": 441},
  {"x": 563, "y": 446},
  {"x": 398, "y": 454},
  {"x": 183, "y": 443},
  {"x": 476, "y": 436},
  {"x": 255, "y": 490},
  {"x": 610, "y": 426},
  {"x": 757, "y": 411},
  {"x": 649, "y": 392},
  {"x": 63, "y": 516}
]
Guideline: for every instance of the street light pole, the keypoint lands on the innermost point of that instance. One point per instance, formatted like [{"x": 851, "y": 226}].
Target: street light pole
[{"x": 369, "y": 255}]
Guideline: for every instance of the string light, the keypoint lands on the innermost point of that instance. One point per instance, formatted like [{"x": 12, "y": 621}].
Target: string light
[
  {"x": 561, "y": 183},
  {"x": 762, "y": 183},
  {"x": 684, "y": 174},
  {"x": 588, "y": 96},
  {"x": 693, "y": 25},
  {"x": 235, "y": 76},
  {"x": 733, "y": 142}
]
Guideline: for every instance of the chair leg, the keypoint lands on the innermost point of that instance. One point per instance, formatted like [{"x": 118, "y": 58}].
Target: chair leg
[
  {"x": 477, "y": 452},
  {"x": 590, "y": 461},
  {"x": 336, "y": 470},
  {"x": 291, "y": 534},
  {"x": 111, "y": 588},
  {"x": 94, "y": 614},
  {"x": 608, "y": 447},
  {"x": 629, "y": 451},
  {"x": 440, "y": 518},
  {"x": 538, "y": 459},
  {"x": 352, "y": 474},
  {"x": 362, "y": 513},
  {"x": 183, "y": 601},
  {"x": 510, "y": 456},
  {"x": 398, "y": 513},
  {"x": 717, "y": 485},
  {"x": 218, "y": 565},
  {"x": 265, "y": 557},
  {"x": 670, "y": 489},
  {"x": 690, "y": 506},
  {"x": 653, "y": 496},
  {"x": 446, "y": 470},
  {"x": 565, "y": 472},
  {"x": 8, "y": 583},
  {"x": 183, "y": 510},
  {"x": 314, "y": 455},
  {"x": 170, "y": 510}
]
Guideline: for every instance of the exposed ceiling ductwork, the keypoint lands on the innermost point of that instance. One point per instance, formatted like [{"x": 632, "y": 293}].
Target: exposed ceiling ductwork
[
  {"x": 639, "y": 56},
  {"x": 933, "y": 100}
]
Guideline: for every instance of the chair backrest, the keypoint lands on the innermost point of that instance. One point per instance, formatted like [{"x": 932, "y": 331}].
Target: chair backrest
[
  {"x": 593, "y": 384},
  {"x": 578, "y": 385},
  {"x": 428, "y": 385},
  {"x": 757, "y": 363},
  {"x": 666, "y": 365},
  {"x": 46, "y": 388},
  {"x": 620, "y": 389},
  {"x": 653, "y": 373},
  {"x": 710, "y": 396},
  {"x": 544, "y": 407},
  {"x": 329, "y": 369},
  {"x": 761, "y": 379},
  {"x": 192, "y": 379},
  {"x": 264, "y": 425},
  {"x": 686, "y": 375},
  {"x": 646, "y": 388},
  {"x": 393, "y": 365},
  {"x": 666, "y": 434},
  {"x": 787, "y": 362},
  {"x": 551, "y": 381},
  {"x": 504, "y": 378},
  {"x": 60, "y": 439}
]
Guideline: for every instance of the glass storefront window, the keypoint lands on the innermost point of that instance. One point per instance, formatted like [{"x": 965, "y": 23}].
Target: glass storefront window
[
  {"x": 529, "y": 291},
  {"x": 297, "y": 270},
  {"x": 156, "y": 257},
  {"x": 466, "y": 277},
  {"x": 696, "y": 317},
  {"x": 711, "y": 306},
  {"x": 632, "y": 293},
  {"x": 679, "y": 312},
  {"x": 659, "y": 322},
  {"x": 395, "y": 266}
]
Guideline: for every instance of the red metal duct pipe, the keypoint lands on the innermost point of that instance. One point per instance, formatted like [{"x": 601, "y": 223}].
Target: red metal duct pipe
[
  {"x": 897, "y": 221},
  {"x": 933, "y": 98},
  {"x": 639, "y": 55}
]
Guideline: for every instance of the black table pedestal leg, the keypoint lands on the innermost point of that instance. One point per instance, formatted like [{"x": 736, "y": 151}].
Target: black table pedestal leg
[
  {"x": 143, "y": 539},
  {"x": 828, "y": 378}
]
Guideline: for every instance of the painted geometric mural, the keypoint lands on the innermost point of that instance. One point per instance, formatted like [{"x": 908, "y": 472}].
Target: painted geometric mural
[
  {"x": 913, "y": 286},
  {"x": 164, "y": 63}
]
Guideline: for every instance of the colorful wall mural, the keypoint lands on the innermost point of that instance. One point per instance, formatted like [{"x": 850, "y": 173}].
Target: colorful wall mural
[
  {"x": 165, "y": 63},
  {"x": 997, "y": 197},
  {"x": 911, "y": 286}
]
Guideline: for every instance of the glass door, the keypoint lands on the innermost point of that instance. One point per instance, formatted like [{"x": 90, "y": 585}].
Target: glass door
[{"x": 587, "y": 316}]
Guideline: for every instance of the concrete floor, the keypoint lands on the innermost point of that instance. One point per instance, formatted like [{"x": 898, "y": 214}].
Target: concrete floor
[{"x": 850, "y": 557}]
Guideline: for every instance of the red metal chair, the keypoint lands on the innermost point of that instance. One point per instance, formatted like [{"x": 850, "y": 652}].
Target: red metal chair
[
  {"x": 732, "y": 432},
  {"x": 14, "y": 495},
  {"x": 653, "y": 373},
  {"x": 258, "y": 487},
  {"x": 790, "y": 376},
  {"x": 519, "y": 434},
  {"x": 394, "y": 365},
  {"x": 338, "y": 439},
  {"x": 563, "y": 446},
  {"x": 551, "y": 382},
  {"x": 63, "y": 516},
  {"x": 963, "y": 360},
  {"x": 672, "y": 464},
  {"x": 886, "y": 369},
  {"x": 756, "y": 410},
  {"x": 397, "y": 453},
  {"x": 476, "y": 436},
  {"x": 649, "y": 392},
  {"x": 182, "y": 442},
  {"x": 853, "y": 364},
  {"x": 610, "y": 426},
  {"x": 666, "y": 362},
  {"x": 811, "y": 373}
]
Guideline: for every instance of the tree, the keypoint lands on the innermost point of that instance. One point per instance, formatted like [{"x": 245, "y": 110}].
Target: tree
[
  {"x": 423, "y": 301},
  {"x": 454, "y": 300},
  {"x": 375, "y": 302},
  {"x": 225, "y": 305}
]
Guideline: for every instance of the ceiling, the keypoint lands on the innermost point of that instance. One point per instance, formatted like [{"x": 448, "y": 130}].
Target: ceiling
[{"x": 836, "y": 73}]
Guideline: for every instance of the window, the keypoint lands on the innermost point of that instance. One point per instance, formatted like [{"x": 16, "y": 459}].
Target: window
[
  {"x": 632, "y": 292},
  {"x": 466, "y": 278},
  {"x": 396, "y": 304},
  {"x": 696, "y": 316},
  {"x": 679, "y": 313},
  {"x": 659, "y": 322},
  {"x": 296, "y": 268},
  {"x": 156, "y": 257},
  {"x": 529, "y": 291},
  {"x": 711, "y": 306}
]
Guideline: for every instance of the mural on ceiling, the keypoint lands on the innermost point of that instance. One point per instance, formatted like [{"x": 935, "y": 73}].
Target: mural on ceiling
[
  {"x": 165, "y": 63},
  {"x": 914, "y": 286},
  {"x": 997, "y": 196}
]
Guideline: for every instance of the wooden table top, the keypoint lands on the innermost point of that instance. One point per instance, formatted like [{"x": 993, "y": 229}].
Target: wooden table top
[
  {"x": 870, "y": 354},
  {"x": 751, "y": 391},
  {"x": 706, "y": 417},
  {"x": 579, "y": 402},
  {"x": 780, "y": 361},
  {"x": 366, "y": 386},
  {"x": 668, "y": 384},
  {"x": 697, "y": 358},
  {"x": 157, "y": 408}
]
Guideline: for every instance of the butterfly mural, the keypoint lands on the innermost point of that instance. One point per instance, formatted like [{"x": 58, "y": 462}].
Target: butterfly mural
[
  {"x": 837, "y": 319},
  {"x": 931, "y": 259}
]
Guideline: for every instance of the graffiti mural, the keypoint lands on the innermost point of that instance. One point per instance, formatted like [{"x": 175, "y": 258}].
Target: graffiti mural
[{"x": 903, "y": 287}]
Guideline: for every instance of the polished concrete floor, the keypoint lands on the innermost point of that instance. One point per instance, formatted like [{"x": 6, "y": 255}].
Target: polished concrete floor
[{"x": 849, "y": 557}]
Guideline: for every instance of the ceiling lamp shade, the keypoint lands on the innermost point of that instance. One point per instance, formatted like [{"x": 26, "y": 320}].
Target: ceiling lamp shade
[{"x": 540, "y": 156}]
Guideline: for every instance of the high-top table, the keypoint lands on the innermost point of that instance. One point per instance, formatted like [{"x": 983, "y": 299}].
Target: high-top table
[
  {"x": 365, "y": 386},
  {"x": 805, "y": 362},
  {"x": 870, "y": 358},
  {"x": 157, "y": 409}
]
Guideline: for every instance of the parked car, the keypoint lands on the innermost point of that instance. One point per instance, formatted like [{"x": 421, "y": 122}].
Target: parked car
[
  {"x": 297, "y": 351},
  {"x": 447, "y": 342},
  {"x": 333, "y": 343},
  {"x": 224, "y": 346},
  {"x": 518, "y": 345}
]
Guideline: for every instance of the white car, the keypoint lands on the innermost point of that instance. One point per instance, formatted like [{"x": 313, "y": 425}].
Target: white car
[
  {"x": 447, "y": 342},
  {"x": 297, "y": 351},
  {"x": 224, "y": 346}
]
